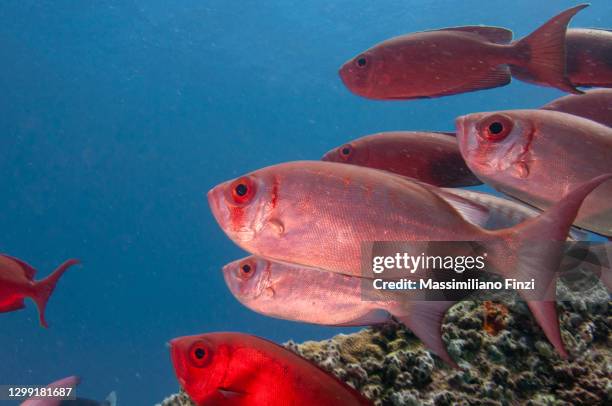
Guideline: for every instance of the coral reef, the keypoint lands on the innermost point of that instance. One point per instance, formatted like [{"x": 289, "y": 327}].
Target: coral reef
[{"x": 509, "y": 364}]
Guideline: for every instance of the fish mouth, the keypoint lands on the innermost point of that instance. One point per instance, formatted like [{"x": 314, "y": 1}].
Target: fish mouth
[
  {"x": 460, "y": 124},
  {"x": 180, "y": 368},
  {"x": 214, "y": 197},
  {"x": 328, "y": 156},
  {"x": 344, "y": 73},
  {"x": 350, "y": 79},
  {"x": 462, "y": 137}
]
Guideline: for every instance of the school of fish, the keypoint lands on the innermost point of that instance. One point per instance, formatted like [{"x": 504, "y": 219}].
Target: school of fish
[{"x": 305, "y": 223}]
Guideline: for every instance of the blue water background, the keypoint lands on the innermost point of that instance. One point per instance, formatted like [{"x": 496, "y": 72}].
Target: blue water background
[{"x": 117, "y": 116}]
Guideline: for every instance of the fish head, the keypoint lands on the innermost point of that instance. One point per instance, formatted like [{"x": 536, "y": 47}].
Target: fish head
[
  {"x": 363, "y": 74},
  {"x": 354, "y": 152},
  {"x": 496, "y": 146},
  {"x": 242, "y": 206},
  {"x": 200, "y": 364},
  {"x": 263, "y": 209},
  {"x": 248, "y": 278}
]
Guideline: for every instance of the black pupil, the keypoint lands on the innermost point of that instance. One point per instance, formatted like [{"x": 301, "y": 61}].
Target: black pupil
[
  {"x": 346, "y": 151},
  {"x": 200, "y": 353},
  {"x": 241, "y": 189},
  {"x": 496, "y": 127},
  {"x": 246, "y": 268},
  {"x": 361, "y": 61}
]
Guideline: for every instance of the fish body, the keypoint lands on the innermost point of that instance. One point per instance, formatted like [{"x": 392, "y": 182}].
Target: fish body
[
  {"x": 430, "y": 157},
  {"x": 595, "y": 104},
  {"x": 459, "y": 59},
  {"x": 240, "y": 369},
  {"x": 589, "y": 57},
  {"x": 537, "y": 156},
  {"x": 17, "y": 283}
]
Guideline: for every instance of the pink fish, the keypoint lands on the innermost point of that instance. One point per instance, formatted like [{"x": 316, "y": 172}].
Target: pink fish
[
  {"x": 240, "y": 369},
  {"x": 17, "y": 283},
  {"x": 318, "y": 214},
  {"x": 70, "y": 382},
  {"x": 595, "y": 105},
  {"x": 430, "y": 157},
  {"x": 459, "y": 59},
  {"x": 311, "y": 295},
  {"x": 537, "y": 156}
]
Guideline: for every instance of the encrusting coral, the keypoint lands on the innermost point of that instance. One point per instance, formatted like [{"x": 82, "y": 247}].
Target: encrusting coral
[{"x": 504, "y": 356}]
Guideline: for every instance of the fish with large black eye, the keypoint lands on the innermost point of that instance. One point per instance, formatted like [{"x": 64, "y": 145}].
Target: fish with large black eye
[
  {"x": 536, "y": 156},
  {"x": 456, "y": 60}
]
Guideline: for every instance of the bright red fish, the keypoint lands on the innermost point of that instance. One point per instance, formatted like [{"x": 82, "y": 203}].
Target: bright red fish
[
  {"x": 537, "y": 156},
  {"x": 430, "y": 157},
  {"x": 17, "y": 283},
  {"x": 240, "y": 369},
  {"x": 589, "y": 58},
  {"x": 595, "y": 104},
  {"x": 459, "y": 59},
  {"x": 318, "y": 214}
]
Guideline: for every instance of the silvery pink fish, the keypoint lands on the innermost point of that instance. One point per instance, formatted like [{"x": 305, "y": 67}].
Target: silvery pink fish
[
  {"x": 318, "y": 214},
  {"x": 431, "y": 157},
  {"x": 69, "y": 382},
  {"x": 537, "y": 156},
  {"x": 595, "y": 104},
  {"x": 460, "y": 59},
  {"x": 311, "y": 295}
]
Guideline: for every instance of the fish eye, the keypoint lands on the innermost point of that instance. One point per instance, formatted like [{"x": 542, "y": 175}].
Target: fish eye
[
  {"x": 361, "y": 61},
  {"x": 199, "y": 354},
  {"x": 495, "y": 127},
  {"x": 242, "y": 191},
  {"x": 246, "y": 270},
  {"x": 345, "y": 151}
]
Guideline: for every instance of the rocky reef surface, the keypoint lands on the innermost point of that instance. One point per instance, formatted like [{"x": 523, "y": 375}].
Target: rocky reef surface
[{"x": 504, "y": 356}]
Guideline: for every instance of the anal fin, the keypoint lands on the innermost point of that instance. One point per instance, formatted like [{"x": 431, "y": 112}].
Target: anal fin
[{"x": 424, "y": 319}]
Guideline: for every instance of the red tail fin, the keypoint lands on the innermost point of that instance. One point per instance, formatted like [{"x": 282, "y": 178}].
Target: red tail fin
[
  {"x": 530, "y": 250},
  {"x": 542, "y": 53},
  {"x": 44, "y": 288}
]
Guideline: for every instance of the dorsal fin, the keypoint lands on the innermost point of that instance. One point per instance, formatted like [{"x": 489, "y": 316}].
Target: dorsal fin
[
  {"x": 496, "y": 35},
  {"x": 27, "y": 268}
]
